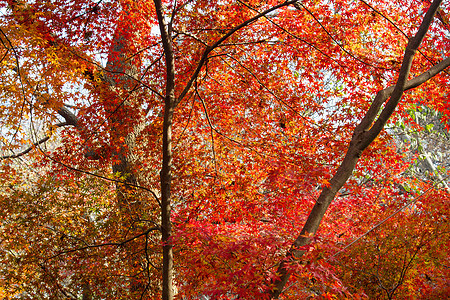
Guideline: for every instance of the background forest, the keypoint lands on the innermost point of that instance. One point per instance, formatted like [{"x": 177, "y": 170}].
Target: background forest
[{"x": 247, "y": 149}]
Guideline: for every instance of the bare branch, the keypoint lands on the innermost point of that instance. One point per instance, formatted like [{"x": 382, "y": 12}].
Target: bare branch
[
  {"x": 210, "y": 126},
  {"x": 145, "y": 233},
  {"x": 41, "y": 141}
]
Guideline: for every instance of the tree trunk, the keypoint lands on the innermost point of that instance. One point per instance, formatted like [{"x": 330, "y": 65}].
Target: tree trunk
[
  {"x": 166, "y": 172},
  {"x": 118, "y": 95},
  {"x": 363, "y": 136}
]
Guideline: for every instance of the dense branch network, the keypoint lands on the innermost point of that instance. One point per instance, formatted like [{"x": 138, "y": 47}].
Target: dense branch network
[{"x": 250, "y": 153}]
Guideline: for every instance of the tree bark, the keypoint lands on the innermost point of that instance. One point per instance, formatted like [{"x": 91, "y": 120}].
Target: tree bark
[
  {"x": 363, "y": 136},
  {"x": 166, "y": 169}
]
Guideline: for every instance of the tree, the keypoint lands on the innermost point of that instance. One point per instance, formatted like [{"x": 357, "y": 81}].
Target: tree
[{"x": 202, "y": 131}]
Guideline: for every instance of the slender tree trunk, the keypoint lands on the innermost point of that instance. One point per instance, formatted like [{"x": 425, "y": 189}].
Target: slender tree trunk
[
  {"x": 363, "y": 136},
  {"x": 87, "y": 293},
  {"x": 166, "y": 179},
  {"x": 166, "y": 172}
]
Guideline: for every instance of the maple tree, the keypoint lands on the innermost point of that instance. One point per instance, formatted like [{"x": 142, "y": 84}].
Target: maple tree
[{"x": 181, "y": 149}]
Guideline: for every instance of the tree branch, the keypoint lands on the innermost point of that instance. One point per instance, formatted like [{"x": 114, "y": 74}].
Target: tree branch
[
  {"x": 384, "y": 94},
  {"x": 41, "y": 141},
  {"x": 210, "y": 48},
  {"x": 361, "y": 139},
  {"x": 155, "y": 228}
]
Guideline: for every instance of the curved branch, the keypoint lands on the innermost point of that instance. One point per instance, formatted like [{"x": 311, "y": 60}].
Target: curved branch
[
  {"x": 299, "y": 6},
  {"x": 70, "y": 117},
  {"x": 210, "y": 126},
  {"x": 398, "y": 28},
  {"x": 361, "y": 139},
  {"x": 41, "y": 141},
  {"x": 210, "y": 48},
  {"x": 155, "y": 228},
  {"x": 151, "y": 191},
  {"x": 384, "y": 94}
]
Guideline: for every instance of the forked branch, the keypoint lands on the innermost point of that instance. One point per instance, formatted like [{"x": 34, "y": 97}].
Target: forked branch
[{"x": 363, "y": 135}]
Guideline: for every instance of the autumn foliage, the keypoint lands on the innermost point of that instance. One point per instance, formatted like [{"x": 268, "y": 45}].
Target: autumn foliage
[{"x": 176, "y": 149}]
